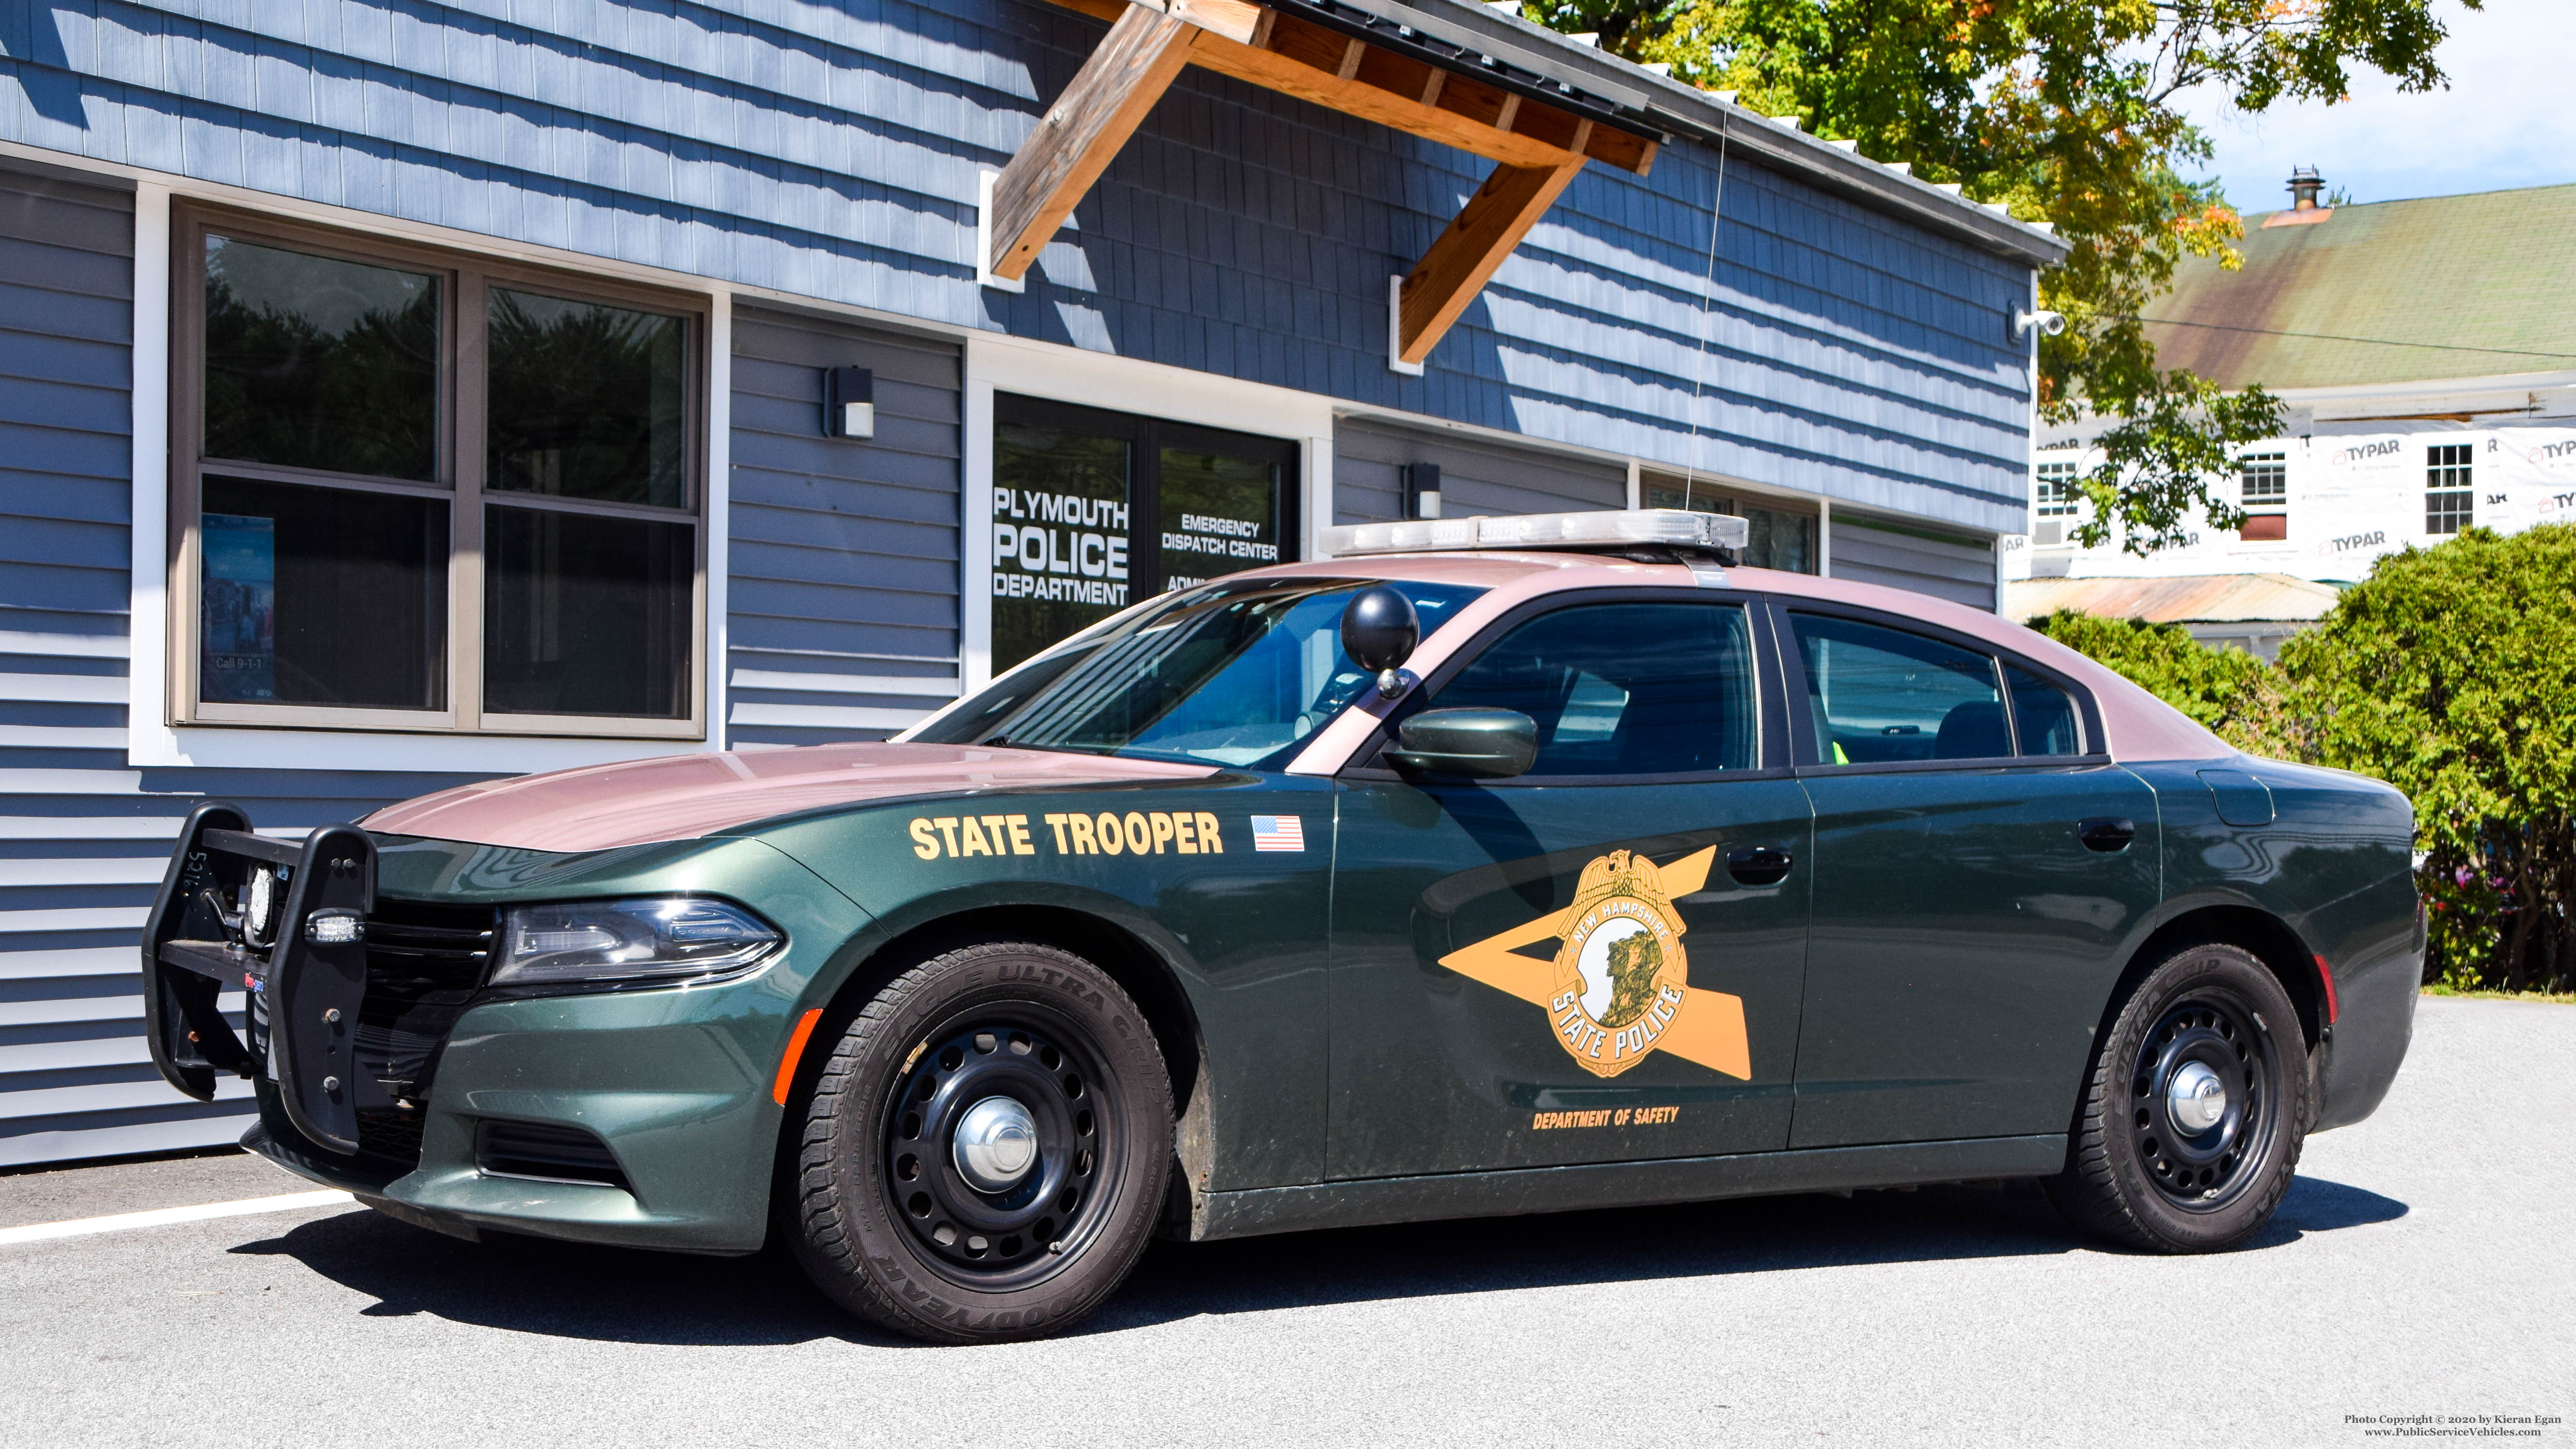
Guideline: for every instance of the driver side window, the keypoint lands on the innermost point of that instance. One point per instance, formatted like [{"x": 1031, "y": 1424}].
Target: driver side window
[{"x": 1625, "y": 689}]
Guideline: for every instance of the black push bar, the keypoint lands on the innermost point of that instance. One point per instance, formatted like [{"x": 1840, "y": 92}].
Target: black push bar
[{"x": 304, "y": 992}]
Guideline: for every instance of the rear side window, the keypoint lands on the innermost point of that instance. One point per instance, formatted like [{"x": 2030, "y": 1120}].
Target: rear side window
[
  {"x": 1625, "y": 689},
  {"x": 2044, "y": 714},
  {"x": 1878, "y": 695}
]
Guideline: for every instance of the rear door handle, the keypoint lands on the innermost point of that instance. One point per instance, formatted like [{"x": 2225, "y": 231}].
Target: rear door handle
[
  {"x": 2105, "y": 834},
  {"x": 1761, "y": 865}
]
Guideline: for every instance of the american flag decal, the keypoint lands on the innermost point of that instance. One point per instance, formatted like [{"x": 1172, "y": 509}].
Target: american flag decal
[{"x": 1278, "y": 832}]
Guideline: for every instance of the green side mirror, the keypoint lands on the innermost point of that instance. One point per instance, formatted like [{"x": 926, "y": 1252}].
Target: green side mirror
[{"x": 1489, "y": 744}]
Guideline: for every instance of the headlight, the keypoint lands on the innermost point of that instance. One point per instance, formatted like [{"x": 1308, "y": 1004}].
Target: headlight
[{"x": 657, "y": 941}]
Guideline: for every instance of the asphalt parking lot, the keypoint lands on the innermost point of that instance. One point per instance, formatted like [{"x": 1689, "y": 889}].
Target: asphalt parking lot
[{"x": 2421, "y": 1266}]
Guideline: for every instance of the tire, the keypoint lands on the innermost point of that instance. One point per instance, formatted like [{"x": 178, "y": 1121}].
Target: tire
[
  {"x": 886, "y": 1218},
  {"x": 2146, "y": 1168}
]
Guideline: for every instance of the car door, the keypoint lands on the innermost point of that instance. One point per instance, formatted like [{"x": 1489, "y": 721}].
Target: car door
[
  {"x": 1977, "y": 861},
  {"x": 1598, "y": 960}
]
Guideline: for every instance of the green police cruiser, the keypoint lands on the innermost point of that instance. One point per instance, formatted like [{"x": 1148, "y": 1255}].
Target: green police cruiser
[{"x": 1492, "y": 866}]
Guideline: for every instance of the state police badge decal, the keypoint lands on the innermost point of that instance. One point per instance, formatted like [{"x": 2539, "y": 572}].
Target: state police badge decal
[{"x": 1619, "y": 990}]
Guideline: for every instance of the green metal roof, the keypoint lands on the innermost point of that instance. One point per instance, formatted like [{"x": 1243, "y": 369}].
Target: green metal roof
[{"x": 2391, "y": 291}]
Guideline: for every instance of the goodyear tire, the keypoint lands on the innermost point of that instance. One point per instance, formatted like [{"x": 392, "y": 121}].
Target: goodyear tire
[
  {"x": 984, "y": 1152},
  {"x": 2192, "y": 1119}
]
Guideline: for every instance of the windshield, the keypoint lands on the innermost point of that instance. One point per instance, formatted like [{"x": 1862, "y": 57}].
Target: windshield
[{"x": 1237, "y": 672}]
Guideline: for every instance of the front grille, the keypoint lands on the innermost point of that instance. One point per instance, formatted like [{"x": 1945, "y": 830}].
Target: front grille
[
  {"x": 424, "y": 964},
  {"x": 557, "y": 1154}
]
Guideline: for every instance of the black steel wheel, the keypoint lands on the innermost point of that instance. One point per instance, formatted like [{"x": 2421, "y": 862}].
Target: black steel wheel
[
  {"x": 999, "y": 1147},
  {"x": 2193, "y": 1116},
  {"x": 983, "y": 1155}
]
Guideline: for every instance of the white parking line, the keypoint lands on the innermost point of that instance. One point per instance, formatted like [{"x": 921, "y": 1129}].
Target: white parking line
[{"x": 162, "y": 1217}]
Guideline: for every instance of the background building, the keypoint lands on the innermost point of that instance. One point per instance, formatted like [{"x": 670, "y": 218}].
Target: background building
[
  {"x": 2427, "y": 355},
  {"x": 395, "y": 395}
]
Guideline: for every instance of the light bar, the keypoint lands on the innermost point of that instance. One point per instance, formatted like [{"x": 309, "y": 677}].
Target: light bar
[{"x": 1671, "y": 527}]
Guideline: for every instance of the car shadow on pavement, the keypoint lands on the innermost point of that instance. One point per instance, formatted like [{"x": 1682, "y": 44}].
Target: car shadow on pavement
[{"x": 528, "y": 1285}]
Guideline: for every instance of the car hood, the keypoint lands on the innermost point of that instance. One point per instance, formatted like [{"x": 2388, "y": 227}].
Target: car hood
[{"x": 683, "y": 797}]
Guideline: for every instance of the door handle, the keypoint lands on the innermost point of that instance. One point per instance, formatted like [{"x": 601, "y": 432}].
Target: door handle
[
  {"x": 2105, "y": 834},
  {"x": 1761, "y": 865}
]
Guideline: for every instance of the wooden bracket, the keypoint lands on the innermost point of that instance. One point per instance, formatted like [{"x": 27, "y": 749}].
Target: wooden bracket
[
  {"x": 1479, "y": 237},
  {"x": 1083, "y": 132},
  {"x": 1537, "y": 148}
]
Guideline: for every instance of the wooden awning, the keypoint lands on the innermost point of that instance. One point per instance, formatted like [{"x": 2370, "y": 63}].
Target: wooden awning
[{"x": 1536, "y": 145}]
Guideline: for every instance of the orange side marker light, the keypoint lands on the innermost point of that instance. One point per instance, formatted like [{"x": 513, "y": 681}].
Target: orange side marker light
[{"x": 795, "y": 1050}]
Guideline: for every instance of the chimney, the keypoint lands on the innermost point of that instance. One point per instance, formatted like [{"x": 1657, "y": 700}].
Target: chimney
[{"x": 2305, "y": 183}]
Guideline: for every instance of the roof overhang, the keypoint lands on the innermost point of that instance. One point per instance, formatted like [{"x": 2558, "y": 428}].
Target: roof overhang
[{"x": 1537, "y": 104}]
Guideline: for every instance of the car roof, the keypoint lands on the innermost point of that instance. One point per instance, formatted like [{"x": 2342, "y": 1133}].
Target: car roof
[{"x": 2138, "y": 725}]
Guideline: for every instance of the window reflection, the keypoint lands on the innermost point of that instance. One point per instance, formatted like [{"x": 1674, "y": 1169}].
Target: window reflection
[
  {"x": 314, "y": 362},
  {"x": 584, "y": 401},
  {"x": 586, "y": 613}
]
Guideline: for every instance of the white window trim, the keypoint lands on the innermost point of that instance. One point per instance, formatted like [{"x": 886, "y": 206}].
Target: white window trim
[
  {"x": 1119, "y": 384},
  {"x": 152, "y": 742}
]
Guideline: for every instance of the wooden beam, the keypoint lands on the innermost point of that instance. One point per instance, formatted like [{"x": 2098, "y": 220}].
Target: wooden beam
[
  {"x": 1465, "y": 257},
  {"x": 1274, "y": 71},
  {"x": 1084, "y": 130},
  {"x": 1249, "y": 42}
]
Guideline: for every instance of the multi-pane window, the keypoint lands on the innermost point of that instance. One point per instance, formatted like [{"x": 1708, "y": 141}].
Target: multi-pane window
[
  {"x": 416, "y": 492},
  {"x": 2264, "y": 483},
  {"x": 2449, "y": 491},
  {"x": 1775, "y": 537},
  {"x": 2053, "y": 492},
  {"x": 2266, "y": 479}
]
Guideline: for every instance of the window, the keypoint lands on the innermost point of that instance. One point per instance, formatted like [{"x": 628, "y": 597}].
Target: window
[
  {"x": 2266, "y": 478},
  {"x": 1624, "y": 689},
  {"x": 2044, "y": 716},
  {"x": 415, "y": 491},
  {"x": 2053, "y": 492},
  {"x": 1068, "y": 484},
  {"x": 2448, "y": 489},
  {"x": 1879, "y": 695},
  {"x": 1776, "y": 537},
  {"x": 1231, "y": 673}
]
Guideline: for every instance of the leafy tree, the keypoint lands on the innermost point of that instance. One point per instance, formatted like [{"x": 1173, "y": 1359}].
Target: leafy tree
[
  {"x": 2227, "y": 690},
  {"x": 2451, "y": 673},
  {"x": 2065, "y": 111}
]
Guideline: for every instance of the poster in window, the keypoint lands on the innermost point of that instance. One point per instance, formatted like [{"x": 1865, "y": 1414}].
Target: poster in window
[{"x": 240, "y": 625}]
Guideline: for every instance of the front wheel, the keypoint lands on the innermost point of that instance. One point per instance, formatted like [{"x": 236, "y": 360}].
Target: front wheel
[
  {"x": 984, "y": 1153},
  {"x": 2191, "y": 1123}
]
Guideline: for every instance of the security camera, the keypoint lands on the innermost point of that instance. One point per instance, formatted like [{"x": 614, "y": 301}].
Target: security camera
[{"x": 2050, "y": 324}]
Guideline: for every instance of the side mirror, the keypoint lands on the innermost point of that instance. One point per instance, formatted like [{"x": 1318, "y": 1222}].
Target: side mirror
[
  {"x": 1379, "y": 630},
  {"x": 1490, "y": 744}
]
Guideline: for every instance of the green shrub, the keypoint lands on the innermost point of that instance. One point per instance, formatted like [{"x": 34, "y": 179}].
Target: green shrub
[{"x": 2450, "y": 673}]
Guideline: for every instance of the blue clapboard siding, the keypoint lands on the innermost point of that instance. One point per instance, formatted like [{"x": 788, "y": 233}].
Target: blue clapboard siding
[
  {"x": 844, "y": 571},
  {"x": 831, "y": 150},
  {"x": 1958, "y": 569},
  {"x": 83, "y": 837},
  {"x": 1476, "y": 476}
]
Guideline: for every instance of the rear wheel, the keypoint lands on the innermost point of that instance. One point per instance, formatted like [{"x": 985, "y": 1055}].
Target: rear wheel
[
  {"x": 2193, "y": 1117},
  {"x": 984, "y": 1152}
]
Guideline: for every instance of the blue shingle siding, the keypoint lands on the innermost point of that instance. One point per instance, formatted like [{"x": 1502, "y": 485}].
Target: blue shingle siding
[
  {"x": 1476, "y": 476},
  {"x": 844, "y": 575},
  {"x": 82, "y": 836},
  {"x": 1960, "y": 570},
  {"x": 831, "y": 152}
]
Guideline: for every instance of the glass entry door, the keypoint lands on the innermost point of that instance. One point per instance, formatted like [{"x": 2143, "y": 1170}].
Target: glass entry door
[{"x": 1095, "y": 510}]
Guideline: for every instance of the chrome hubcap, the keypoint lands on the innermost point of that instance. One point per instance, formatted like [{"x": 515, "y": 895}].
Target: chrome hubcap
[
  {"x": 996, "y": 1144},
  {"x": 2196, "y": 1098}
]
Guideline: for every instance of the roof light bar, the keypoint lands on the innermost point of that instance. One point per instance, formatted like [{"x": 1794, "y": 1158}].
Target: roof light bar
[{"x": 1669, "y": 527}]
